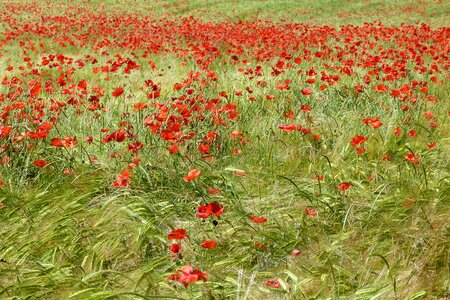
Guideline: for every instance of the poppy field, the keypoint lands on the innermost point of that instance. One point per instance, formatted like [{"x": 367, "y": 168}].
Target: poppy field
[{"x": 212, "y": 149}]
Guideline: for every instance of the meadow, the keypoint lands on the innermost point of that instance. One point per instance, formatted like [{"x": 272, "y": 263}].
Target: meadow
[{"x": 211, "y": 149}]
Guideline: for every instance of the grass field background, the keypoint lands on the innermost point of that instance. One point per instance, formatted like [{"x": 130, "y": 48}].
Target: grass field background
[{"x": 320, "y": 127}]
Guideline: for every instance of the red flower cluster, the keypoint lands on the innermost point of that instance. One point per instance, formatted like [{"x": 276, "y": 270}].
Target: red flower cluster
[{"x": 188, "y": 275}]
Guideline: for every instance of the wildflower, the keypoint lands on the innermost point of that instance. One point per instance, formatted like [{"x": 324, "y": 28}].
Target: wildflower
[
  {"x": 258, "y": 220},
  {"x": 194, "y": 173},
  {"x": 177, "y": 234}
]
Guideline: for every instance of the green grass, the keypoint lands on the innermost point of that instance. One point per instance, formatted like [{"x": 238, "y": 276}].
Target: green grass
[{"x": 77, "y": 237}]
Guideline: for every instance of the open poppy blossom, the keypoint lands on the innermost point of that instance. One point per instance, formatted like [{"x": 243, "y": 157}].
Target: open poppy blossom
[
  {"x": 176, "y": 250},
  {"x": 173, "y": 149},
  {"x": 188, "y": 275},
  {"x": 178, "y": 234},
  {"x": 209, "y": 244},
  {"x": 123, "y": 180},
  {"x": 40, "y": 163},
  {"x": 194, "y": 173},
  {"x": 358, "y": 140},
  {"x": 307, "y": 91},
  {"x": 344, "y": 186},
  {"x": 204, "y": 211},
  {"x": 117, "y": 92},
  {"x": 4, "y": 131}
]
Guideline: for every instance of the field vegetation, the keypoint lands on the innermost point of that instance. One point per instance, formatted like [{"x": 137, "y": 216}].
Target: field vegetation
[{"x": 213, "y": 149}]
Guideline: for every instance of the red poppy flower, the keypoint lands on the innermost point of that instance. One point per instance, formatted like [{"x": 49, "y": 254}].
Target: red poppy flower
[
  {"x": 307, "y": 91},
  {"x": 188, "y": 275},
  {"x": 204, "y": 211},
  {"x": 123, "y": 180},
  {"x": 177, "y": 234},
  {"x": 209, "y": 244},
  {"x": 173, "y": 149},
  {"x": 213, "y": 191},
  {"x": 288, "y": 127},
  {"x": 4, "y": 131},
  {"x": 272, "y": 283},
  {"x": 358, "y": 139},
  {"x": 258, "y": 220},
  {"x": 36, "y": 89},
  {"x": 204, "y": 148},
  {"x": 175, "y": 248},
  {"x": 194, "y": 173},
  {"x": 296, "y": 252},
  {"x": 310, "y": 211},
  {"x": 117, "y": 92},
  {"x": 40, "y": 163},
  {"x": 360, "y": 150},
  {"x": 386, "y": 157},
  {"x": 344, "y": 186},
  {"x": 412, "y": 158}
]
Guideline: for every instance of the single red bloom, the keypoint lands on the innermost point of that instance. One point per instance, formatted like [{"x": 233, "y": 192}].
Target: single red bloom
[
  {"x": 344, "y": 186},
  {"x": 40, "y": 163},
  {"x": 310, "y": 211},
  {"x": 123, "y": 180},
  {"x": 57, "y": 142},
  {"x": 177, "y": 234},
  {"x": 307, "y": 91},
  {"x": 36, "y": 89},
  {"x": 135, "y": 146},
  {"x": 209, "y": 244},
  {"x": 173, "y": 149},
  {"x": 305, "y": 108},
  {"x": 176, "y": 249},
  {"x": 4, "y": 131},
  {"x": 431, "y": 145},
  {"x": 386, "y": 157},
  {"x": 202, "y": 212},
  {"x": 213, "y": 191},
  {"x": 117, "y": 92},
  {"x": 288, "y": 127},
  {"x": 360, "y": 150},
  {"x": 412, "y": 158},
  {"x": 194, "y": 173},
  {"x": 273, "y": 283},
  {"x": 358, "y": 139},
  {"x": 204, "y": 148},
  {"x": 258, "y": 220},
  {"x": 296, "y": 252},
  {"x": 188, "y": 275},
  {"x": 412, "y": 133}
]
